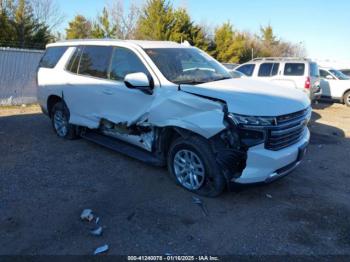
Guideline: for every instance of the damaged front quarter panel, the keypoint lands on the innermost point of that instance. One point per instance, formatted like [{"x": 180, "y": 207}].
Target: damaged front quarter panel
[
  {"x": 190, "y": 112},
  {"x": 206, "y": 117}
]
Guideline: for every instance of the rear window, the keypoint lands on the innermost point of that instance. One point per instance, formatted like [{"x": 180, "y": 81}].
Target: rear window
[
  {"x": 52, "y": 56},
  {"x": 95, "y": 61},
  {"x": 248, "y": 69},
  {"x": 294, "y": 69},
  {"x": 314, "y": 70},
  {"x": 268, "y": 69}
]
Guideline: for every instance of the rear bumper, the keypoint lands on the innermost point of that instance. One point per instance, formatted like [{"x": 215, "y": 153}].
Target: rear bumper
[{"x": 266, "y": 166}]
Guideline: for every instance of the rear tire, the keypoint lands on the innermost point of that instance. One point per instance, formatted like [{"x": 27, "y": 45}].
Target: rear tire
[
  {"x": 347, "y": 99},
  {"x": 60, "y": 122},
  {"x": 193, "y": 166}
]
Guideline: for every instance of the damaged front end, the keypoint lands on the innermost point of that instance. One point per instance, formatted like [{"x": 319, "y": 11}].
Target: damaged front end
[{"x": 231, "y": 147}]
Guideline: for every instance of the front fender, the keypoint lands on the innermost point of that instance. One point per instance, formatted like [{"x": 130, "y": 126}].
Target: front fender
[{"x": 190, "y": 112}]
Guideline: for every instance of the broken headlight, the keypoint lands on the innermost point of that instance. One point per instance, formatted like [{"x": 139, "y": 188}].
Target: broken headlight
[
  {"x": 252, "y": 129},
  {"x": 255, "y": 121}
]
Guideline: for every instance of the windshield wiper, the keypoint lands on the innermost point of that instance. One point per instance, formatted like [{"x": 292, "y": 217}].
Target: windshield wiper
[
  {"x": 222, "y": 78},
  {"x": 191, "y": 82}
]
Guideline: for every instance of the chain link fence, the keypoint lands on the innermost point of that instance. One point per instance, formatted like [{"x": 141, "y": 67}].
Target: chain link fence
[{"x": 18, "y": 76}]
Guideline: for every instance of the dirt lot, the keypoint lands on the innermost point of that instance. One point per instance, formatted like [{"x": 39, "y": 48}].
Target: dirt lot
[{"x": 46, "y": 182}]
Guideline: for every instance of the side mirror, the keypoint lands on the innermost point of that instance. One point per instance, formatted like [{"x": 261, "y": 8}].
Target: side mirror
[
  {"x": 139, "y": 81},
  {"x": 329, "y": 77}
]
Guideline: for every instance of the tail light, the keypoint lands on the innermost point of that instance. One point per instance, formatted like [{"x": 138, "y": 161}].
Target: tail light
[{"x": 308, "y": 83}]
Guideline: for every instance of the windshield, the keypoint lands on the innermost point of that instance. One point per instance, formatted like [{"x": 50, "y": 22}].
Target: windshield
[
  {"x": 339, "y": 74},
  {"x": 187, "y": 65}
]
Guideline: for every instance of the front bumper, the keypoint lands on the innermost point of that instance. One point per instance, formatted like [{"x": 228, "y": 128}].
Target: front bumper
[{"x": 266, "y": 166}]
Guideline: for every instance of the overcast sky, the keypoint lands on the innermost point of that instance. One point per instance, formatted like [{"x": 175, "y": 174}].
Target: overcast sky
[{"x": 322, "y": 26}]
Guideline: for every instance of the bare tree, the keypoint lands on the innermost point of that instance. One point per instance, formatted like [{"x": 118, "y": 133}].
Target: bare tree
[
  {"x": 125, "y": 22},
  {"x": 48, "y": 13}
]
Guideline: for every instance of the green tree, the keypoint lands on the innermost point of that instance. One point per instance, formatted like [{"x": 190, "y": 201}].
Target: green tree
[
  {"x": 156, "y": 21},
  {"x": 200, "y": 39},
  {"x": 103, "y": 27},
  {"x": 28, "y": 32},
  {"x": 6, "y": 30},
  {"x": 182, "y": 26},
  {"x": 269, "y": 42},
  {"x": 229, "y": 45},
  {"x": 79, "y": 28}
]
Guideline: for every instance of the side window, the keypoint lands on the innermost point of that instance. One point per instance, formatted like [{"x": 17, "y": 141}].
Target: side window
[
  {"x": 265, "y": 69},
  {"x": 95, "y": 61},
  {"x": 275, "y": 68},
  {"x": 324, "y": 73},
  {"x": 248, "y": 69},
  {"x": 268, "y": 69},
  {"x": 125, "y": 62},
  {"x": 294, "y": 69},
  {"x": 73, "y": 63},
  {"x": 52, "y": 56}
]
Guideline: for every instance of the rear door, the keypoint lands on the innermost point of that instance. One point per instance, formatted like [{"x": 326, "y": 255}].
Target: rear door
[
  {"x": 291, "y": 74},
  {"x": 268, "y": 71},
  {"x": 87, "y": 81}
]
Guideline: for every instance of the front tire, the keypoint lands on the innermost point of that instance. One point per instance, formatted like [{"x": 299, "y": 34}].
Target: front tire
[
  {"x": 60, "y": 122},
  {"x": 347, "y": 99},
  {"x": 192, "y": 164}
]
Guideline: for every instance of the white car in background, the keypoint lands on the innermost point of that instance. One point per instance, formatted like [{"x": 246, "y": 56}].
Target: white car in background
[
  {"x": 335, "y": 85},
  {"x": 290, "y": 72}
]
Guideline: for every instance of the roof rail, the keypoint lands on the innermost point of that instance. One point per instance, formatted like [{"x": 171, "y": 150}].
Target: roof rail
[{"x": 280, "y": 59}]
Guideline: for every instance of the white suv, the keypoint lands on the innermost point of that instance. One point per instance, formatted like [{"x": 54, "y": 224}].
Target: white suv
[
  {"x": 299, "y": 73},
  {"x": 175, "y": 106},
  {"x": 335, "y": 85}
]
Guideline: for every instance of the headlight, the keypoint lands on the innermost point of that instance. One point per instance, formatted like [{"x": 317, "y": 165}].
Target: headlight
[{"x": 252, "y": 120}]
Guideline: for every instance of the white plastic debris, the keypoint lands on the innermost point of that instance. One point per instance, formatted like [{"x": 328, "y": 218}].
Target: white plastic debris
[
  {"x": 101, "y": 249},
  {"x": 87, "y": 215},
  {"x": 97, "y": 220},
  {"x": 268, "y": 196},
  {"x": 97, "y": 232}
]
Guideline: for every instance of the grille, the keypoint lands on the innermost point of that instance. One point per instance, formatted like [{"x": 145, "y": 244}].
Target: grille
[{"x": 288, "y": 131}]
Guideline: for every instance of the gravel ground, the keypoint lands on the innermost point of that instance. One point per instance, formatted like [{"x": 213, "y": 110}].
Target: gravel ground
[{"x": 46, "y": 182}]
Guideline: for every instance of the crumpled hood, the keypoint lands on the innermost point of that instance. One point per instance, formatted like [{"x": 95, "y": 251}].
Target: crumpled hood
[{"x": 253, "y": 97}]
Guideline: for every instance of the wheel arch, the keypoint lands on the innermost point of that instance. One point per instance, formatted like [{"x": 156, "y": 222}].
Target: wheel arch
[
  {"x": 343, "y": 96},
  {"x": 51, "y": 102}
]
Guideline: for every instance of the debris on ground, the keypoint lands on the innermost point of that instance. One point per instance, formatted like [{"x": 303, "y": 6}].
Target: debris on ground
[
  {"x": 268, "y": 196},
  {"x": 97, "y": 232},
  {"x": 200, "y": 203},
  {"x": 87, "y": 215},
  {"x": 320, "y": 146},
  {"x": 97, "y": 220},
  {"x": 101, "y": 249}
]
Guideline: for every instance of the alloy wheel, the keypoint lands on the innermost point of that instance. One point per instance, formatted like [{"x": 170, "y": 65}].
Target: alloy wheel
[{"x": 189, "y": 169}]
